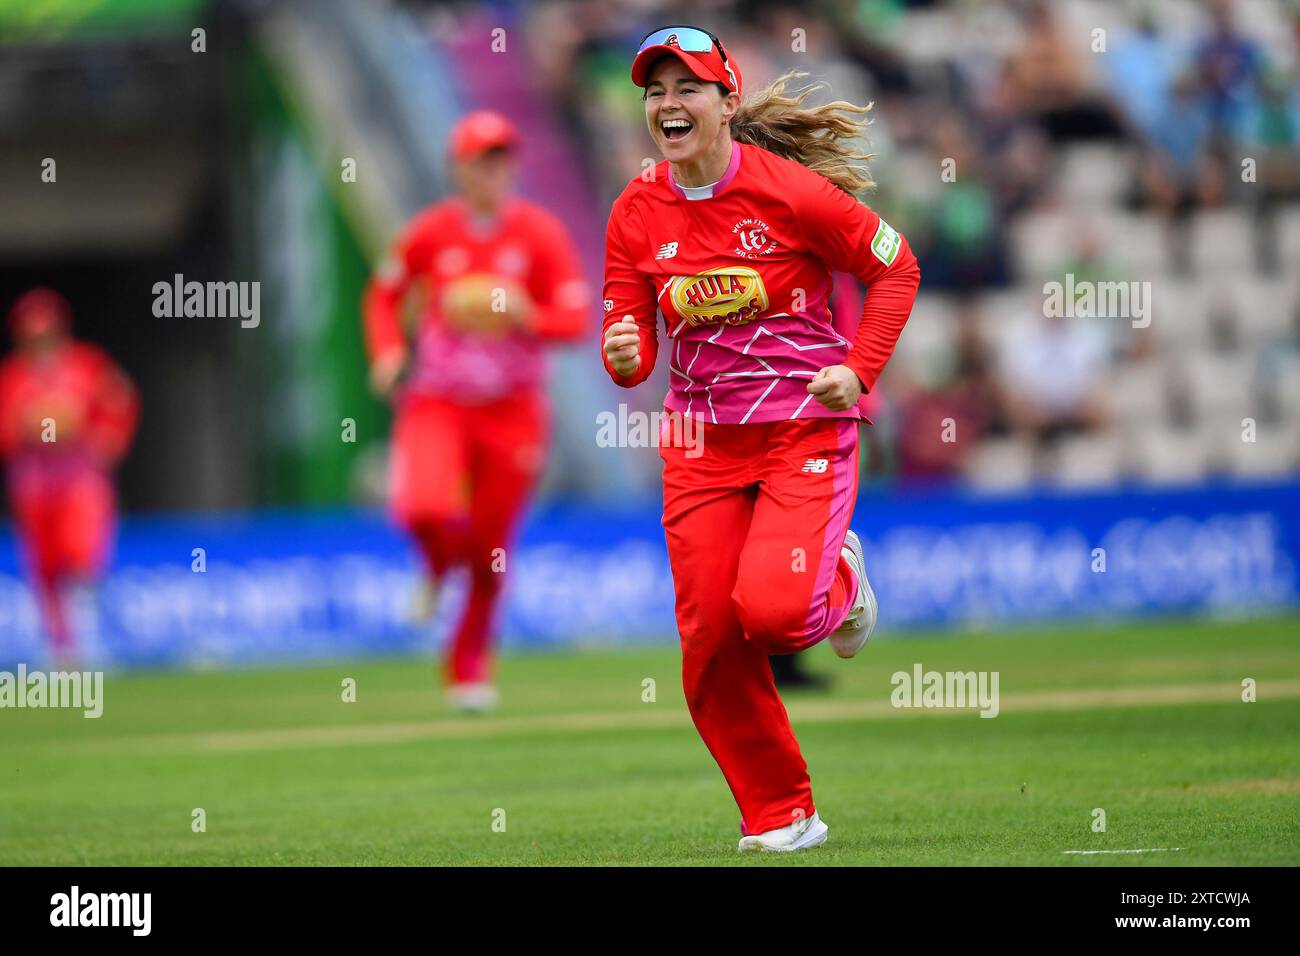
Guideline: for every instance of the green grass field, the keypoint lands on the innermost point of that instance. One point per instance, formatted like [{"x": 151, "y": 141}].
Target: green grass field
[{"x": 1145, "y": 722}]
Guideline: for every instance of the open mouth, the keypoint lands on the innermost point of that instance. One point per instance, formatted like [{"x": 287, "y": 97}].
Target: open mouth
[{"x": 675, "y": 129}]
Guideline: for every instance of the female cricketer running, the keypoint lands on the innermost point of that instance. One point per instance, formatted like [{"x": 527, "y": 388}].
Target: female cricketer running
[
  {"x": 499, "y": 277},
  {"x": 67, "y": 417},
  {"x": 734, "y": 239}
]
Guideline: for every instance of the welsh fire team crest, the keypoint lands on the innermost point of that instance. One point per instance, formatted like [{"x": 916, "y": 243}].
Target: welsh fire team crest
[{"x": 753, "y": 238}]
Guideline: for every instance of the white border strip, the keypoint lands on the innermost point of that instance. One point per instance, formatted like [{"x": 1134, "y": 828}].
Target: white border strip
[{"x": 1154, "y": 849}]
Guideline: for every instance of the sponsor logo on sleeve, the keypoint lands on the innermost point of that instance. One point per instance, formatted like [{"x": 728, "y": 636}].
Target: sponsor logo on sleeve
[{"x": 885, "y": 246}]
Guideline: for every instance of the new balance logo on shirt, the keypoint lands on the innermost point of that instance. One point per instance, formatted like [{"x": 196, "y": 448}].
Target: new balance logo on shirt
[
  {"x": 667, "y": 251},
  {"x": 815, "y": 465}
]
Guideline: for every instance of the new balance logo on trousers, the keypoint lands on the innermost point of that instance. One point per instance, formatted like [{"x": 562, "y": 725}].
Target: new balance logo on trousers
[{"x": 815, "y": 465}]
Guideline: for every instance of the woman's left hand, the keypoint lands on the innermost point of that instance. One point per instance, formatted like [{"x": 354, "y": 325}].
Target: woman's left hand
[{"x": 837, "y": 387}]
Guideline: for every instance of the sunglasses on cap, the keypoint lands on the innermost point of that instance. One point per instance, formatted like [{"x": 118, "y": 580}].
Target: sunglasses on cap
[{"x": 688, "y": 39}]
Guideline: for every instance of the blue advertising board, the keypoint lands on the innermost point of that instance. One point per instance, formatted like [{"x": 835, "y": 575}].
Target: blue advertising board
[{"x": 271, "y": 587}]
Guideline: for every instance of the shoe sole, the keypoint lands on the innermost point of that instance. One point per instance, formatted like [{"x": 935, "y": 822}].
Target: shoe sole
[
  {"x": 815, "y": 836},
  {"x": 848, "y": 644}
]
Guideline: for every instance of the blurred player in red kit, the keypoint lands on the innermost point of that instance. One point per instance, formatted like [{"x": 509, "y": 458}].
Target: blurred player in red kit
[
  {"x": 68, "y": 414},
  {"x": 498, "y": 278},
  {"x": 735, "y": 240}
]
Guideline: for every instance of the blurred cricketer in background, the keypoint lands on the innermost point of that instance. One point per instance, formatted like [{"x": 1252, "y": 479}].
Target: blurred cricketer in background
[
  {"x": 68, "y": 415},
  {"x": 499, "y": 279},
  {"x": 735, "y": 239}
]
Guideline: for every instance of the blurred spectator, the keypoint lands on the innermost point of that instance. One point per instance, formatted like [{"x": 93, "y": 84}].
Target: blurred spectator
[
  {"x": 1017, "y": 153},
  {"x": 1180, "y": 171},
  {"x": 1226, "y": 63},
  {"x": 1052, "y": 369},
  {"x": 1048, "y": 78},
  {"x": 1142, "y": 66},
  {"x": 868, "y": 30},
  {"x": 1272, "y": 134},
  {"x": 940, "y": 427},
  {"x": 960, "y": 238}
]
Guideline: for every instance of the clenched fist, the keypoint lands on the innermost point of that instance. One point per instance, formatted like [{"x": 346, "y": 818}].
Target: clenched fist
[
  {"x": 837, "y": 387},
  {"x": 623, "y": 346}
]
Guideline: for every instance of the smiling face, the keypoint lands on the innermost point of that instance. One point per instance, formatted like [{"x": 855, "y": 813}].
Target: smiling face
[{"x": 687, "y": 116}]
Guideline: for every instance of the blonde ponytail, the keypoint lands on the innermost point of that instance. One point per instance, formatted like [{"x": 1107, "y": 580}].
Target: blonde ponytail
[{"x": 818, "y": 137}]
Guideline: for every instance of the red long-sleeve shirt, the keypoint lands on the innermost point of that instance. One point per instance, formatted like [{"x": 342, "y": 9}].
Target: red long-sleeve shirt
[
  {"x": 742, "y": 273},
  {"x": 75, "y": 395},
  {"x": 524, "y": 243}
]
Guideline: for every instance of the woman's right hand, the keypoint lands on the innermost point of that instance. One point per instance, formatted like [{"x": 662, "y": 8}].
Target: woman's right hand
[{"x": 623, "y": 346}]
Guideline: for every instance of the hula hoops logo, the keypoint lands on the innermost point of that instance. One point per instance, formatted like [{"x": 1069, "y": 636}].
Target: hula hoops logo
[{"x": 731, "y": 295}]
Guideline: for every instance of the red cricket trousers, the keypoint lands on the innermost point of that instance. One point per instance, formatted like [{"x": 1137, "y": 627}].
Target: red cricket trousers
[
  {"x": 66, "y": 525},
  {"x": 462, "y": 477},
  {"x": 755, "y": 516}
]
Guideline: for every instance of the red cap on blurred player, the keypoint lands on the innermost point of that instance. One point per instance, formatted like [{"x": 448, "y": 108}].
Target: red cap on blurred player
[
  {"x": 480, "y": 131},
  {"x": 700, "y": 50},
  {"x": 38, "y": 311}
]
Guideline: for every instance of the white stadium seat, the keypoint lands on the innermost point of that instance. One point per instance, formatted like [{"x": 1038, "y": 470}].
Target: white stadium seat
[
  {"x": 1179, "y": 317},
  {"x": 1220, "y": 385},
  {"x": 1163, "y": 455},
  {"x": 1285, "y": 386},
  {"x": 1088, "y": 461},
  {"x": 1135, "y": 243},
  {"x": 1042, "y": 243},
  {"x": 1289, "y": 237},
  {"x": 926, "y": 340},
  {"x": 1274, "y": 452},
  {"x": 1270, "y": 309},
  {"x": 1138, "y": 390},
  {"x": 1001, "y": 464},
  {"x": 1222, "y": 242},
  {"x": 1093, "y": 176}
]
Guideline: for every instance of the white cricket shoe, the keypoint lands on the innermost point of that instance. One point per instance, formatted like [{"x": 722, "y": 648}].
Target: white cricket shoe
[
  {"x": 800, "y": 835},
  {"x": 472, "y": 698},
  {"x": 849, "y": 637}
]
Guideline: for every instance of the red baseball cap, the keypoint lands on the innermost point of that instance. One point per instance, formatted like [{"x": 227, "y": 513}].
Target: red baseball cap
[
  {"x": 480, "y": 131},
  {"x": 38, "y": 311},
  {"x": 700, "y": 50}
]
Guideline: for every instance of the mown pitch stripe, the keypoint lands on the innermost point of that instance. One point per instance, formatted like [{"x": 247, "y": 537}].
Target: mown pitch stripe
[
  {"x": 659, "y": 718},
  {"x": 1154, "y": 849}
]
